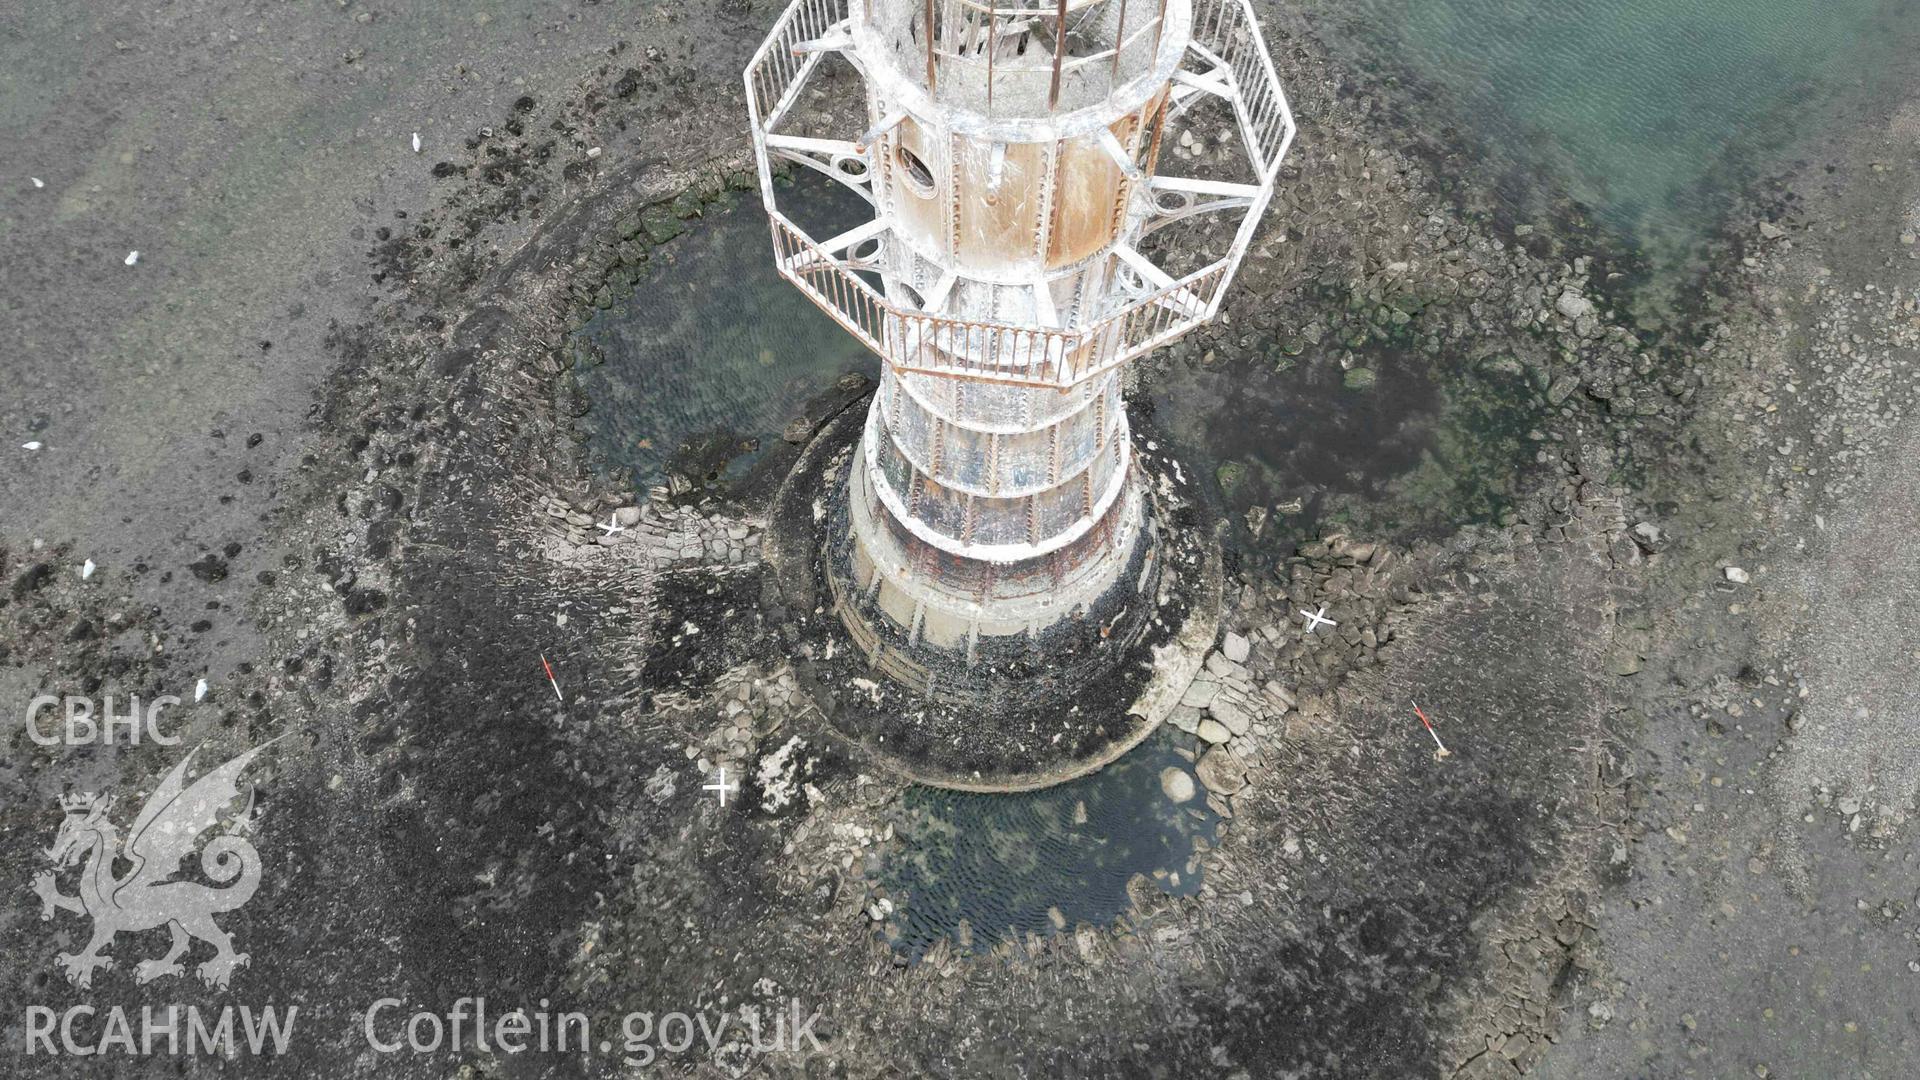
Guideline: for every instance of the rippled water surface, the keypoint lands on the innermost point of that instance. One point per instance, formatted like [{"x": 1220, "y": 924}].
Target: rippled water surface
[
  {"x": 1652, "y": 112},
  {"x": 711, "y": 348},
  {"x": 981, "y": 869}
]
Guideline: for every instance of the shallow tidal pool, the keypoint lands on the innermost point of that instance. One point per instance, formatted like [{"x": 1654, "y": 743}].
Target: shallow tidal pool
[{"x": 977, "y": 870}]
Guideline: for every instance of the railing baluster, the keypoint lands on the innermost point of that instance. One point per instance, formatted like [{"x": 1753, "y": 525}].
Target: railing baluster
[{"x": 836, "y": 288}]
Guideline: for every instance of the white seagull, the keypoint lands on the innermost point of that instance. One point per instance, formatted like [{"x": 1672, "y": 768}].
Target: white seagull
[{"x": 1317, "y": 618}]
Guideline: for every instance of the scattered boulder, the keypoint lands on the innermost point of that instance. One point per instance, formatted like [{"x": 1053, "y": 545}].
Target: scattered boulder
[
  {"x": 1236, "y": 647},
  {"x": 1200, "y": 692},
  {"x": 1226, "y": 669},
  {"x": 1230, "y": 715},
  {"x": 799, "y": 429},
  {"x": 1221, "y": 772},
  {"x": 1573, "y": 305},
  {"x": 1281, "y": 695},
  {"x": 1177, "y": 784}
]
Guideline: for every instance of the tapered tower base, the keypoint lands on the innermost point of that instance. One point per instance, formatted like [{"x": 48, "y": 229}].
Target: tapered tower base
[
  {"x": 1009, "y": 697},
  {"x": 1020, "y": 649}
]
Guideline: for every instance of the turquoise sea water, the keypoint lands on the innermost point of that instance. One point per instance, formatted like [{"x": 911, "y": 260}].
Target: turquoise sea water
[{"x": 1653, "y": 113}]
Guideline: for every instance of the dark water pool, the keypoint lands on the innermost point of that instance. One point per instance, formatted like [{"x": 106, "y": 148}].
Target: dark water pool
[
  {"x": 1397, "y": 445},
  {"x": 712, "y": 352},
  {"x": 1001, "y": 865}
]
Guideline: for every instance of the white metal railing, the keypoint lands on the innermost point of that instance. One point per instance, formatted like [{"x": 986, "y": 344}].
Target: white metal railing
[
  {"x": 1226, "y": 32},
  {"x": 779, "y": 68},
  {"x": 1226, "y": 40},
  {"x": 970, "y": 31},
  {"x": 912, "y": 340}
]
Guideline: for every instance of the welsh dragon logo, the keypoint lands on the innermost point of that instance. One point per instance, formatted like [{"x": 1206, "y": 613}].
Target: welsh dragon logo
[{"x": 169, "y": 827}]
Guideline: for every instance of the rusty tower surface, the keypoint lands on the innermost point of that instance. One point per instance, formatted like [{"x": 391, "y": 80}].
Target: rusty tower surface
[{"x": 1033, "y": 227}]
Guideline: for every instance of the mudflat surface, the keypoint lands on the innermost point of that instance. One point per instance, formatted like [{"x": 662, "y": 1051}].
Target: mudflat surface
[{"x": 248, "y": 155}]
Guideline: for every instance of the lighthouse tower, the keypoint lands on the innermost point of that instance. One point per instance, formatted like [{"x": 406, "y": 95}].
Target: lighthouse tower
[{"x": 1055, "y": 187}]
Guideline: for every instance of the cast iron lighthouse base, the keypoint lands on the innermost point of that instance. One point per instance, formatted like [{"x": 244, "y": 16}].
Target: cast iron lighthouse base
[{"x": 1011, "y": 713}]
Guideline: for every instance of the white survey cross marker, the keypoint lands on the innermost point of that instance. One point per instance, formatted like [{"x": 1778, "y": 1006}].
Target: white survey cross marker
[
  {"x": 721, "y": 787},
  {"x": 1316, "y": 619},
  {"x": 612, "y": 526}
]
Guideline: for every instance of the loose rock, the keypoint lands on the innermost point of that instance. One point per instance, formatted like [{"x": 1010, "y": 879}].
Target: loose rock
[{"x": 1177, "y": 784}]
